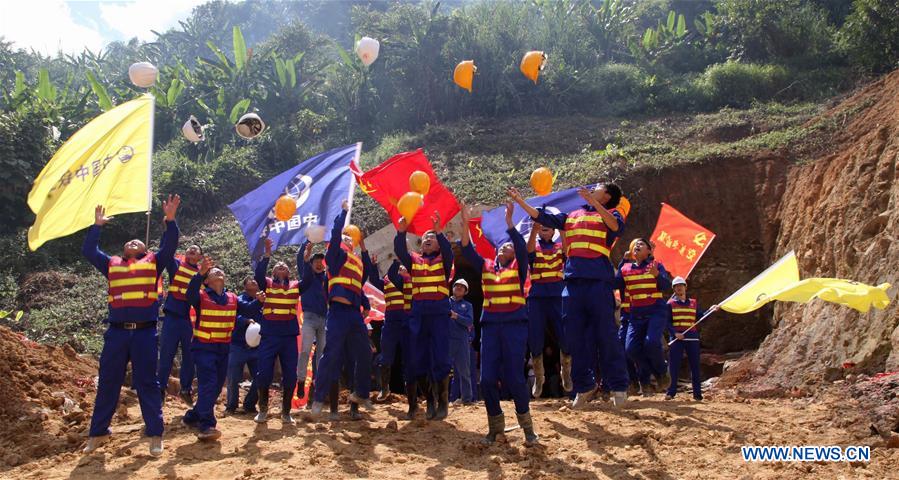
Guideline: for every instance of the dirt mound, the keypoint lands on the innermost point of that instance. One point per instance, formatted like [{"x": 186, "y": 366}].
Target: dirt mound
[{"x": 46, "y": 394}]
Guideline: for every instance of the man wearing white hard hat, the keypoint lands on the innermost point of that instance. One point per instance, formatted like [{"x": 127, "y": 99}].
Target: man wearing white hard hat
[
  {"x": 684, "y": 312},
  {"x": 242, "y": 353},
  {"x": 461, "y": 313}
]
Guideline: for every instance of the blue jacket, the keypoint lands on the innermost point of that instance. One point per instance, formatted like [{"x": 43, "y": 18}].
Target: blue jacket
[
  {"x": 100, "y": 260},
  {"x": 461, "y": 326},
  {"x": 313, "y": 288},
  {"x": 521, "y": 256},
  {"x": 172, "y": 305},
  {"x": 663, "y": 283},
  {"x": 193, "y": 298},
  {"x": 551, "y": 289},
  {"x": 248, "y": 308},
  {"x": 599, "y": 268},
  {"x": 335, "y": 257}
]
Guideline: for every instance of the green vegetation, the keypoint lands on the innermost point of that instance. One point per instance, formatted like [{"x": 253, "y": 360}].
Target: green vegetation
[{"x": 628, "y": 84}]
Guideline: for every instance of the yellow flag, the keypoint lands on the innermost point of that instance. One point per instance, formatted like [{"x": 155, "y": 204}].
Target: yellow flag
[
  {"x": 837, "y": 290},
  {"x": 760, "y": 289},
  {"x": 106, "y": 163}
]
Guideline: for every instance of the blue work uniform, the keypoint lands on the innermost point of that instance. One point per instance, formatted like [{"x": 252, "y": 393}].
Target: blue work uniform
[
  {"x": 504, "y": 338},
  {"x": 176, "y": 333},
  {"x": 588, "y": 312},
  {"x": 395, "y": 333},
  {"x": 690, "y": 345},
  {"x": 460, "y": 334},
  {"x": 314, "y": 296},
  {"x": 646, "y": 324},
  {"x": 429, "y": 320},
  {"x": 544, "y": 309},
  {"x": 122, "y": 344},
  {"x": 279, "y": 337},
  {"x": 242, "y": 355}
]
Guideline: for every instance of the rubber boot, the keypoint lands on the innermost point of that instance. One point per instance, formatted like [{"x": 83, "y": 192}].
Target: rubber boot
[
  {"x": 539, "y": 376},
  {"x": 442, "y": 399},
  {"x": 425, "y": 386},
  {"x": 412, "y": 399},
  {"x": 385, "y": 384},
  {"x": 286, "y": 404},
  {"x": 566, "y": 372},
  {"x": 262, "y": 416},
  {"x": 93, "y": 443},
  {"x": 496, "y": 426},
  {"x": 354, "y": 412},
  {"x": 334, "y": 401},
  {"x": 156, "y": 446},
  {"x": 527, "y": 425}
]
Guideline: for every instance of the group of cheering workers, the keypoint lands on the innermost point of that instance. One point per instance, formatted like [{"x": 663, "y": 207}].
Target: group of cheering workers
[{"x": 572, "y": 292}]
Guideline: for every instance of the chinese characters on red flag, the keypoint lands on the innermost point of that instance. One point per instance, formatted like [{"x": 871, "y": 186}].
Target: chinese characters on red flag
[{"x": 679, "y": 241}]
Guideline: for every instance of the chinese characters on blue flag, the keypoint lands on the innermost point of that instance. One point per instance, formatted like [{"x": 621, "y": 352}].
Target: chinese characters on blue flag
[
  {"x": 493, "y": 221},
  {"x": 319, "y": 185}
]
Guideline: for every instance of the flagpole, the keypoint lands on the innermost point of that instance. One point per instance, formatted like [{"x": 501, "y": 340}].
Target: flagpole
[
  {"x": 150, "y": 166},
  {"x": 352, "y": 190},
  {"x": 707, "y": 245}
]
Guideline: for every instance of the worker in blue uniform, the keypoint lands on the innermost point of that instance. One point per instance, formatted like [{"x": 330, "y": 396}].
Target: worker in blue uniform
[
  {"x": 461, "y": 328},
  {"x": 683, "y": 314},
  {"x": 177, "y": 330},
  {"x": 242, "y": 355},
  {"x": 131, "y": 336}
]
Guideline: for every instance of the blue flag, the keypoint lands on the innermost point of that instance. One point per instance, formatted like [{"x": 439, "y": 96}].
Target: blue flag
[
  {"x": 493, "y": 222},
  {"x": 319, "y": 185}
]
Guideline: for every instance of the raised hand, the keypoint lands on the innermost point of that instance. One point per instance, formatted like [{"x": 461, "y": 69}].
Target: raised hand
[
  {"x": 205, "y": 265},
  {"x": 401, "y": 225},
  {"x": 374, "y": 258},
  {"x": 654, "y": 269},
  {"x": 510, "y": 209},
  {"x": 170, "y": 207},
  {"x": 268, "y": 247},
  {"x": 586, "y": 194},
  {"x": 515, "y": 195},
  {"x": 464, "y": 212},
  {"x": 100, "y": 217},
  {"x": 345, "y": 205},
  {"x": 307, "y": 253},
  {"x": 435, "y": 220}
]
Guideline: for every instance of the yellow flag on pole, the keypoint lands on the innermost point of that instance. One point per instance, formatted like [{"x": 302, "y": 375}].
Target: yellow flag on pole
[
  {"x": 760, "y": 289},
  {"x": 107, "y": 162}
]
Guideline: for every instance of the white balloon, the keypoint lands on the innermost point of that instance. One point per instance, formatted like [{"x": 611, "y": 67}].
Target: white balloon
[
  {"x": 367, "y": 49},
  {"x": 250, "y": 126},
  {"x": 143, "y": 74},
  {"x": 253, "y": 337},
  {"x": 315, "y": 233},
  {"x": 192, "y": 130}
]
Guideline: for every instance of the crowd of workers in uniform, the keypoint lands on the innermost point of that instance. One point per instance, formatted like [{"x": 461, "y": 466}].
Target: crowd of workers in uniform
[{"x": 427, "y": 328}]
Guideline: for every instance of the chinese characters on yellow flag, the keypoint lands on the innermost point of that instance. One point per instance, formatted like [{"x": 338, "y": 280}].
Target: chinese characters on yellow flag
[
  {"x": 679, "y": 241},
  {"x": 106, "y": 163}
]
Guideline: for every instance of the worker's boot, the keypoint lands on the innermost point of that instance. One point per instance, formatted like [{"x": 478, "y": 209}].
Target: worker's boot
[
  {"x": 497, "y": 427},
  {"x": 385, "y": 384},
  {"x": 527, "y": 425},
  {"x": 412, "y": 399},
  {"x": 354, "y": 412},
  {"x": 262, "y": 416},
  {"x": 93, "y": 443},
  {"x": 286, "y": 404},
  {"x": 428, "y": 388},
  {"x": 619, "y": 399},
  {"x": 156, "y": 446},
  {"x": 334, "y": 401},
  {"x": 582, "y": 399},
  {"x": 442, "y": 399},
  {"x": 566, "y": 372},
  {"x": 539, "y": 376}
]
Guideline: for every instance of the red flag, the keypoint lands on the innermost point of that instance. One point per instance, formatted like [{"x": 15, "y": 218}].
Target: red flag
[
  {"x": 387, "y": 182},
  {"x": 481, "y": 244},
  {"x": 679, "y": 241}
]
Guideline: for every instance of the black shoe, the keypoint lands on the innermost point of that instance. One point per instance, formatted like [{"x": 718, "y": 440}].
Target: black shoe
[
  {"x": 186, "y": 397},
  {"x": 412, "y": 399},
  {"x": 250, "y": 411},
  {"x": 354, "y": 412},
  {"x": 334, "y": 398},
  {"x": 230, "y": 411},
  {"x": 442, "y": 399},
  {"x": 301, "y": 392},
  {"x": 430, "y": 397}
]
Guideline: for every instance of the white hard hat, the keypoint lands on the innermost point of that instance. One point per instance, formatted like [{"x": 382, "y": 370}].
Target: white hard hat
[
  {"x": 678, "y": 281},
  {"x": 315, "y": 233},
  {"x": 143, "y": 74},
  {"x": 462, "y": 282},
  {"x": 192, "y": 130},
  {"x": 250, "y": 126},
  {"x": 253, "y": 337}
]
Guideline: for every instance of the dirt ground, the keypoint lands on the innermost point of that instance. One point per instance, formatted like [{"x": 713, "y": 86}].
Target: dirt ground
[{"x": 650, "y": 439}]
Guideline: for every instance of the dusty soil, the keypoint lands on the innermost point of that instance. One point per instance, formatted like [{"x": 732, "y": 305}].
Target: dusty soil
[{"x": 649, "y": 439}]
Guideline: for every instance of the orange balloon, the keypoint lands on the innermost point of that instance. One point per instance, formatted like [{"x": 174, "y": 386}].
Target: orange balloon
[
  {"x": 354, "y": 233},
  {"x": 409, "y": 204},
  {"x": 419, "y": 182},
  {"x": 542, "y": 181},
  {"x": 532, "y": 63},
  {"x": 624, "y": 207},
  {"x": 285, "y": 207},
  {"x": 464, "y": 74}
]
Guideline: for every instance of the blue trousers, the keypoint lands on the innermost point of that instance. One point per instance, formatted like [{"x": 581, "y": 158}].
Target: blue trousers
[
  {"x": 644, "y": 343},
  {"x": 237, "y": 358},
  {"x": 455, "y": 389},
  {"x": 503, "y": 349},
  {"x": 212, "y": 368},
  {"x": 588, "y": 311},
  {"x": 429, "y": 325},
  {"x": 395, "y": 335},
  {"x": 285, "y": 348},
  {"x": 177, "y": 332},
  {"x": 460, "y": 352},
  {"x": 675, "y": 354},
  {"x": 543, "y": 312},
  {"x": 622, "y": 339},
  {"x": 120, "y": 347},
  {"x": 346, "y": 338}
]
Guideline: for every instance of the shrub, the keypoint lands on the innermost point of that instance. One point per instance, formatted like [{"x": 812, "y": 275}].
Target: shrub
[
  {"x": 738, "y": 84},
  {"x": 612, "y": 89}
]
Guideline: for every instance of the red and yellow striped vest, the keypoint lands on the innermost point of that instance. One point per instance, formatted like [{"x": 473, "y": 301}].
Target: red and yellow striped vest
[
  {"x": 502, "y": 287},
  {"x": 682, "y": 316},
  {"x": 585, "y": 235},
  {"x": 548, "y": 264},
  {"x": 132, "y": 283},
  {"x": 428, "y": 278},
  {"x": 178, "y": 286},
  {"x": 215, "y": 322},
  {"x": 641, "y": 286},
  {"x": 350, "y": 274},
  {"x": 280, "y": 300},
  {"x": 394, "y": 298},
  {"x": 625, "y": 303}
]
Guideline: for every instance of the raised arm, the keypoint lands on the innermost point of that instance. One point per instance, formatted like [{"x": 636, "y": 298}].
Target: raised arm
[
  {"x": 374, "y": 276},
  {"x": 446, "y": 252},
  {"x": 468, "y": 250},
  {"x": 521, "y": 254},
  {"x": 393, "y": 274},
  {"x": 262, "y": 269},
  {"x": 169, "y": 243},
  {"x": 304, "y": 267},
  {"x": 196, "y": 283},
  {"x": 663, "y": 278},
  {"x": 611, "y": 221},
  {"x": 532, "y": 240},
  {"x": 335, "y": 256}
]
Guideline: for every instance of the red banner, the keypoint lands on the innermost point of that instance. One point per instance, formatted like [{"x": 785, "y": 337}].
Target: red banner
[
  {"x": 387, "y": 182},
  {"x": 679, "y": 241},
  {"x": 481, "y": 244}
]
